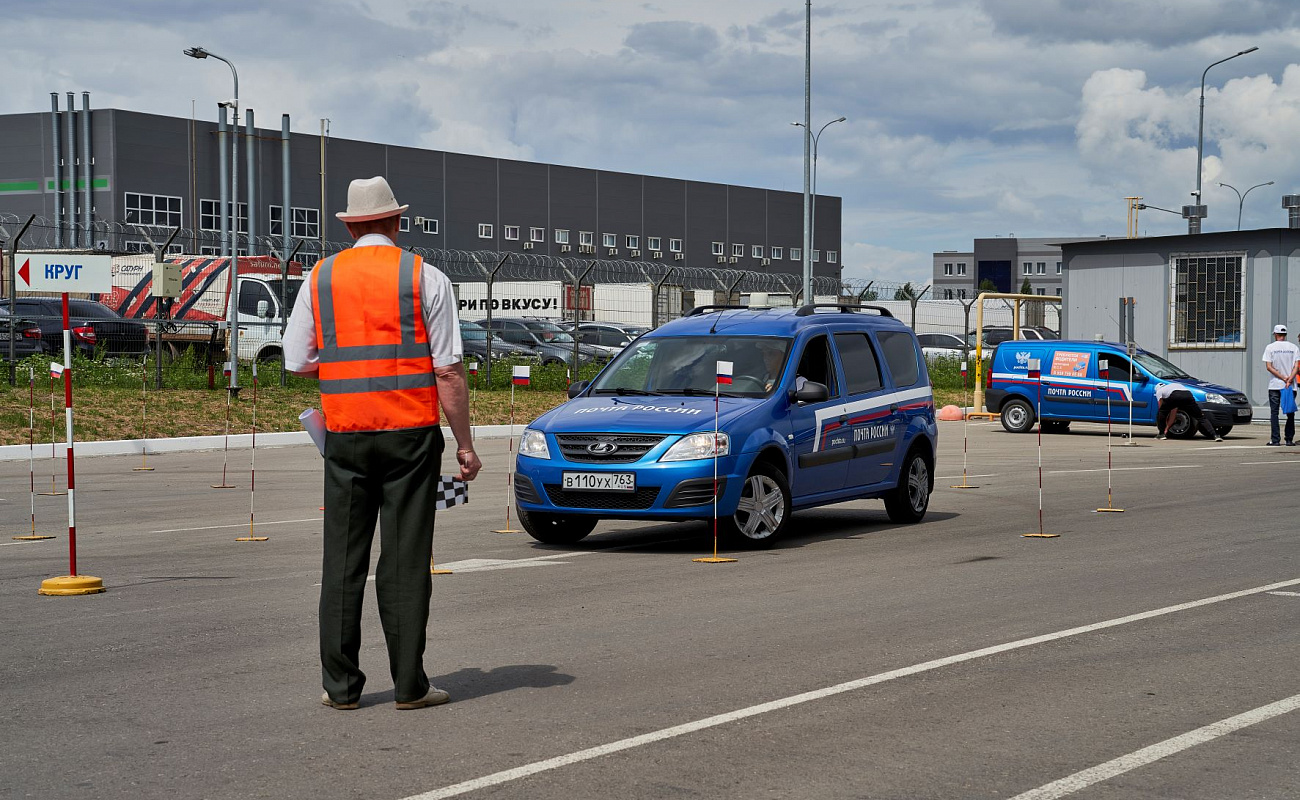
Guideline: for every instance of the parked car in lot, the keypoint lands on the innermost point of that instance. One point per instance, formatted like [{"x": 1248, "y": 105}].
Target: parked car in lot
[
  {"x": 945, "y": 345},
  {"x": 553, "y": 344},
  {"x": 825, "y": 404},
  {"x": 607, "y": 337},
  {"x": 26, "y": 335},
  {"x": 998, "y": 334},
  {"x": 1073, "y": 388},
  {"x": 96, "y": 328},
  {"x": 474, "y": 342}
]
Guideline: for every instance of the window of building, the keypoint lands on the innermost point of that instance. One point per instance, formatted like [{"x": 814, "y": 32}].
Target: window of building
[
  {"x": 961, "y": 294},
  {"x": 737, "y": 250},
  {"x": 609, "y": 240},
  {"x": 832, "y": 257},
  {"x": 1206, "y": 302},
  {"x": 856, "y": 350},
  {"x": 430, "y": 225},
  {"x": 210, "y": 216},
  {"x": 1042, "y": 290},
  {"x": 209, "y": 250},
  {"x": 561, "y": 235},
  {"x": 674, "y": 245},
  {"x": 586, "y": 238},
  {"x": 1058, "y": 268},
  {"x": 304, "y": 223},
  {"x": 901, "y": 356},
  {"x": 816, "y": 256},
  {"x": 510, "y": 232},
  {"x": 947, "y": 294},
  {"x": 404, "y": 226},
  {"x": 654, "y": 243},
  {"x": 756, "y": 251},
  {"x": 1042, "y": 267},
  {"x": 717, "y": 249},
  {"x": 961, "y": 268},
  {"x": 136, "y": 246},
  {"x": 947, "y": 270},
  {"x": 161, "y": 210},
  {"x": 796, "y": 254},
  {"x": 778, "y": 253},
  {"x": 484, "y": 230},
  {"x": 537, "y": 235},
  {"x": 633, "y": 242},
  {"x": 1029, "y": 268}
]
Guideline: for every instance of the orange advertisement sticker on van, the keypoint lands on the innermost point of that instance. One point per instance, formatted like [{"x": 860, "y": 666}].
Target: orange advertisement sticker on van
[{"x": 1070, "y": 365}]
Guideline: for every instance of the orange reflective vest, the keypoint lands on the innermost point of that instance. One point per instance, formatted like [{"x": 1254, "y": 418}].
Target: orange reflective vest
[{"x": 376, "y": 373}]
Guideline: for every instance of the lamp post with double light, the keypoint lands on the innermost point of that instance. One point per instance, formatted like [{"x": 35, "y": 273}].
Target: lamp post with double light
[
  {"x": 1194, "y": 213},
  {"x": 1241, "y": 197},
  {"x": 811, "y": 238},
  {"x": 233, "y": 311}
]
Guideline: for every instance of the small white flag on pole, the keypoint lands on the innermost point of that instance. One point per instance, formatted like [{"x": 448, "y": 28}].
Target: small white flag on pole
[
  {"x": 520, "y": 375},
  {"x": 724, "y": 372},
  {"x": 56, "y": 369}
]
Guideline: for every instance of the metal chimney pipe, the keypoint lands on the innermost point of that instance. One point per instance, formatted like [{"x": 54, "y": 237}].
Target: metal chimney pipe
[
  {"x": 1291, "y": 203},
  {"x": 71, "y": 127},
  {"x": 222, "y": 180},
  {"x": 250, "y": 131},
  {"x": 284, "y": 197},
  {"x": 58, "y": 170},
  {"x": 87, "y": 172}
]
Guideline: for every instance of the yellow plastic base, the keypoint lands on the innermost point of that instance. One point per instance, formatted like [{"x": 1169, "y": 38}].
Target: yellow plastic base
[
  {"x": 439, "y": 572},
  {"x": 509, "y": 530},
  {"x": 713, "y": 560},
  {"x": 252, "y": 538},
  {"x": 67, "y": 585},
  {"x": 1039, "y": 535},
  {"x": 982, "y": 415},
  {"x": 50, "y": 494},
  {"x": 222, "y": 486},
  {"x": 143, "y": 469},
  {"x": 964, "y": 486},
  {"x": 32, "y": 538}
]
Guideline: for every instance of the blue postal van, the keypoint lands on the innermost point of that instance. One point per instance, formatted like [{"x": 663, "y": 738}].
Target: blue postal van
[
  {"x": 1073, "y": 388},
  {"x": 826, "y": 404}
]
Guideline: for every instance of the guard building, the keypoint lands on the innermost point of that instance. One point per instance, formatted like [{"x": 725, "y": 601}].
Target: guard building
[
  {"x": 1004, "y": 262},
  {"x": 123, "y": 166}
]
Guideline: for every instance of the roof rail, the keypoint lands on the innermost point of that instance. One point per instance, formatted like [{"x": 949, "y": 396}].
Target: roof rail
[
  {"x": 700, "y": 310},
  {"x": 845, "y": 308}
]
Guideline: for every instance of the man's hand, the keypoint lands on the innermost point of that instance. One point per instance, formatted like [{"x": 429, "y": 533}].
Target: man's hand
[{"x": 469, "y": 464}]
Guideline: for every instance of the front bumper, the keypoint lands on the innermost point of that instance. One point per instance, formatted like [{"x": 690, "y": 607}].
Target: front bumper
[
  {"x": 1222, "y": 416},
  {"x": 664, "y": 490}
]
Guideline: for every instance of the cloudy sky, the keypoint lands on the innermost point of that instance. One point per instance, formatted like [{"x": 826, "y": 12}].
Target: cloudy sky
[{"x": 966, "y": 118}]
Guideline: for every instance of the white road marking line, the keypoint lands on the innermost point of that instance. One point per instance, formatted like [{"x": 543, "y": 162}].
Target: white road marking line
[
  {"x": 955, "y": 477},
  {"x": 240, "y": 525},
  {"x": 557, "y": 762},
  {"x": 1231, "y": 447},
  {"x": 8, "y": 544},
  {"x": 1287, "y": 594},
  {"x": 487, "y": 564},
  {"x": 1140, "y": 758},
  {"x": 1277, "y": 461},
  {"x": 1123, "y": 469}
]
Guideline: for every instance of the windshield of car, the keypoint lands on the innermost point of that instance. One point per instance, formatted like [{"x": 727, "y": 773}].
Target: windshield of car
[
  {"x": 1048, "y": 333},
  {"x": 549, "y": 332},
  {"x": 291, "y": 291},
  {"x": 687, "y": 365},
  {"x": 473, "y": 332},
  {"x": 1160, "y": 368}
]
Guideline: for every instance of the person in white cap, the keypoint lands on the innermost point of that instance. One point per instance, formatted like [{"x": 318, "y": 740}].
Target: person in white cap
[
  {"x": 379, "y": 328},
  {"x": 1280, "y": 359}
]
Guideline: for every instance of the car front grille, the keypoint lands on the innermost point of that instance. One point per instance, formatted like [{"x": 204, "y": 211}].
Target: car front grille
[
  {"x": 1237, "y": 399},
  {"x": 628, "y": 447},
  {"x": 639, "y": 500}
]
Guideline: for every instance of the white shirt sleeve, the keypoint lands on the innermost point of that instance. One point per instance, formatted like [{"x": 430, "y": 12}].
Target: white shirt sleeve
[
  {"x": 441, "y": 317},
  {"x": 300, "y": 334}
]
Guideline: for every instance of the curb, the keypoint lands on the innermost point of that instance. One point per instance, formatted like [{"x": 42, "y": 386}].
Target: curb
[{"x": 186, "y": 444}]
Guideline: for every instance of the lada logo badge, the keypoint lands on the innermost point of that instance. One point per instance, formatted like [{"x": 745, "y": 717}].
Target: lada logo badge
[{"x": 602, "y": 448}]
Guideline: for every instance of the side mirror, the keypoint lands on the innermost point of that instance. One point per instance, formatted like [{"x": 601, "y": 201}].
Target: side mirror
[
  {"x": 263, "y": 309},
  {"x": 812, "y": 392},
  {"x": 578, "y": 387}
]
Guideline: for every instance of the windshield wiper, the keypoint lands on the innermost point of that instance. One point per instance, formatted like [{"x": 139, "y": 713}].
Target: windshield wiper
[
  {"x": 691, "y": 391},
  {"x": 623, "y": 391}
]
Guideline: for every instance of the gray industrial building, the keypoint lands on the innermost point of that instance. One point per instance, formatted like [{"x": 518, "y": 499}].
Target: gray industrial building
[
  {"x": 159, "y": 170},
  {"x": 1207, "y": 302},
  {"x": 1005, "y": 261}
]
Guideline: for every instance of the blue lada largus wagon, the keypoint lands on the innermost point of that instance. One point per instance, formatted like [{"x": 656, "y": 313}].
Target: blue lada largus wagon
[{"x": 827, "y": 403}]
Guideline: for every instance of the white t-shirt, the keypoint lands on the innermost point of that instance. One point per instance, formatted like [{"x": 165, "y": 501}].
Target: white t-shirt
[
  {"x": 440, "y": 319},
  {"x": 1165, "y": 389},
  {"x": 1282, "y": 355}
]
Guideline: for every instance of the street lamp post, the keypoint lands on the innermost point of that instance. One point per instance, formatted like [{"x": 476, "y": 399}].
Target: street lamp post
[
  {"x": 1241, "y": 197},
  {"x": 1195, "y": 213},
  {"x": 811, "y": 238},
  {"x": 233, "y": 312}
]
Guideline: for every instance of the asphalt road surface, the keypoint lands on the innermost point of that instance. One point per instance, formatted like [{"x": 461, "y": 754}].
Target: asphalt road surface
[{"x": 1147, "y": 654}]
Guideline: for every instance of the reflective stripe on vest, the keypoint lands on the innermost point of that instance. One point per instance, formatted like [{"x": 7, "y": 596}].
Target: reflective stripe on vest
[{"x": 375, "y": 369}]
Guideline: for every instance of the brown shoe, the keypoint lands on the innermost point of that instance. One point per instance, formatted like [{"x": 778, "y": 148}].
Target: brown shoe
[
  {"x": 326, "y": 701},
  {"x": 434, "y": 697}
]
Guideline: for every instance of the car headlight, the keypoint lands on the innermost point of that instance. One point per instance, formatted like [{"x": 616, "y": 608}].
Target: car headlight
[
  {"x": 1216, "y": 398},
  {"x": 533, "y": 444},
  {"x": 698, "y": 445}
]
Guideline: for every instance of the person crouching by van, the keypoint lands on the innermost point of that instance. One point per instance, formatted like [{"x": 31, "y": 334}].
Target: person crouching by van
[{"x": 1174, "y": 396}]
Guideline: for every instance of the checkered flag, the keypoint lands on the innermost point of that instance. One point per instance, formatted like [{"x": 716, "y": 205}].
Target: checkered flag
[{"x": 451, "y": 492}]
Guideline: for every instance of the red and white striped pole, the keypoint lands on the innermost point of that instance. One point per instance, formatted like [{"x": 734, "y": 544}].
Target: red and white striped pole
[
  {"x": 54, "y": 487},
  {"x": 1103, "y": 367},
  {"x": 225, "y": 450},
  {"x": 724, "y": 377},
  {"x": 965, "y": 484},
  {"x": 1036, "y": 373},
  {"x": 72, "y": 583},
  {"x": 31, "y": 454},
  {"x": 252, "y": 469}
]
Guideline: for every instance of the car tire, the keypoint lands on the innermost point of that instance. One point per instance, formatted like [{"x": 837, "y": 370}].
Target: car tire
[
  {"x": 1183, "y": 427},
  {"x": 909, "y": 500},
  {"x": 1223, "y": 430},
  {"x": 1017, "y": 416},
  {"x": 763, "y": 511},
  {"x": 1056, "y": 426},
  {"x": 556, "y": 528}
]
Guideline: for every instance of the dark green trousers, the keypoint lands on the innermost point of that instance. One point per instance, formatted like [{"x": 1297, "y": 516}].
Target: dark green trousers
[{"x": 392, "y": 475}]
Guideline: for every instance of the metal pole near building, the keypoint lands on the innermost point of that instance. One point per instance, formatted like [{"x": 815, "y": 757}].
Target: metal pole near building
[
  {"x": 223, "y": 153},
  {"x": 491, "y": 279},
  {"x": 654, "y": 308},
  {"x": 284, "y": 237},
  {"x": 87, "y": 175},
  {"x": 251, "y": 134},
  {"x": 13, "y": 292},
  {"x": 70, "y": 131},
  {"x": 58, "y": 170},
  {"x": 807, "y": 152}
]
